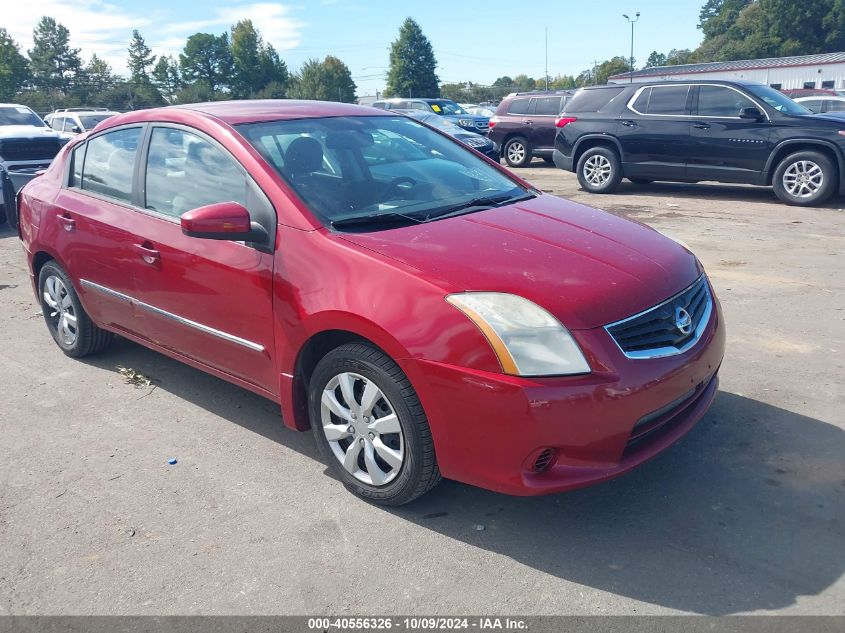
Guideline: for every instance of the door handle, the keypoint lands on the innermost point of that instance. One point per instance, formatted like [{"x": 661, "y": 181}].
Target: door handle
[
  {"x": 629, "y": 123},
  {"x": 528, "y": 122},
  {"x": 68, "y": 223},
  {"x": 147, "y": 253},
  {"x": 701, "y": 126}
]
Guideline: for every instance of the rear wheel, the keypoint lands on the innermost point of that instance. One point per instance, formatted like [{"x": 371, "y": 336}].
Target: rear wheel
[
  {"x": 67, "y": 321},
  {"x": 516, "y": 152},
  {"x": 370, "y": 425},
  {"x": 804, "y": 178},
  {"x": 599, "y": 170}
]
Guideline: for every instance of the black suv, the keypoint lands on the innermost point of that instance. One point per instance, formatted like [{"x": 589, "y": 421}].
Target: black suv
[{"x": 727, "y": 131}]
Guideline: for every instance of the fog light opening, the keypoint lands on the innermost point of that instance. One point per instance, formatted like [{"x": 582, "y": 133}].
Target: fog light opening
[{"x": 544, "y": 460}]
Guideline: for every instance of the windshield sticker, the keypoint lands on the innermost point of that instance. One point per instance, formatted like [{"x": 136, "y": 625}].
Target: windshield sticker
[
  {"x": 22, "y": 110},
  {"x": 435, "y": 107}
]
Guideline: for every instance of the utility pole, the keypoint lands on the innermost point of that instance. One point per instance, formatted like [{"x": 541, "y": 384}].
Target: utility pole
[
  {"x": 547, "y": 58},
  {"x": 632, "y": 21}
]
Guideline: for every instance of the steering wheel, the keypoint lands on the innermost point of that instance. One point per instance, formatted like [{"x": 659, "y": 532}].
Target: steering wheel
[{"x": 393, "y": 187}]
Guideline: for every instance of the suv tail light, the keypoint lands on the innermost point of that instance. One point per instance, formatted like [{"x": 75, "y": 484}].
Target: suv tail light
[
  {"x": 564, "y": 121},
  {"x": 493, "y": 121}
]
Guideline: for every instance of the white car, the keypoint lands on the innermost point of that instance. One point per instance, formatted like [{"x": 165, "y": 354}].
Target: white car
[
  {"x": 477, "y": 110},
  {"x": 822, "y": 103},
  {"x": 72, "y": 121}
]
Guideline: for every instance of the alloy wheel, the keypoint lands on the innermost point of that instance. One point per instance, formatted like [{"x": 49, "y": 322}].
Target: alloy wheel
[
  {"x": 516, "y": 152},
  {"x": 597, "y": 170},
  {"x": 803, "y": 179},
  {"x": 59, "y": 309},
  {"x": 362, "y": 429}
]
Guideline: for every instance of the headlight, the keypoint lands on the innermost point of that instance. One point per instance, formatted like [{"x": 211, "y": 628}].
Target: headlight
[{"x": 527, "y": 340}]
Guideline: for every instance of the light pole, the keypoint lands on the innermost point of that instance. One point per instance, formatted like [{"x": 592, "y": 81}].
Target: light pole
[{"x": 632, "y": 21}]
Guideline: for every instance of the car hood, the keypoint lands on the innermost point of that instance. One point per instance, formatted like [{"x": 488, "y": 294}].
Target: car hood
[
  {"x": 472, "y": 117},
  {"x": 26, "y": 131},
  {"x": 587, "y": 267}
]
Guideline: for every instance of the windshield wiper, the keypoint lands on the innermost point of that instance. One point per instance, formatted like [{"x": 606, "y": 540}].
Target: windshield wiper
[
  {"x": 477, "y": 204},
  {"x": 374, "y": 218}
]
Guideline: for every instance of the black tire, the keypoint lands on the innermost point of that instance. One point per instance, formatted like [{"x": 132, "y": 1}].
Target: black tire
[
  {"x": 8, "y": 202},
  {"x": 516, "y": 152},
  {"x": 641, "y": 181},
  {"x": 793, "y": 166},
  {"x": 610, "y": 180},
  {"x": 418, "y": 472},
  {"x": 88, "y": 338}
]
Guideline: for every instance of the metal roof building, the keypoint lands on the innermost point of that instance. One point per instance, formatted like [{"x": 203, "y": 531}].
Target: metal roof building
[{"x": 825, "y": 70}]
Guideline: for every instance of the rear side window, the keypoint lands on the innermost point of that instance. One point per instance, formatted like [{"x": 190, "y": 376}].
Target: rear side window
[
  {"x": 547, "y": 106},
  {"x": 668, "y": 100},
  {"x": 185, "y": 171},
  {"x": 720, "y": 101},
  {"x": 592, "y": 100},
  {"x": 519, "y": 106},
  {"x": 109, "y": 163}
]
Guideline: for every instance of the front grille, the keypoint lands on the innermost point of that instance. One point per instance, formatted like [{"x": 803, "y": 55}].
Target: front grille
[
  {"x": 482, "y": 125},
  {"x": 668, "y": 328},
  {"x": 29, "y": 149}
]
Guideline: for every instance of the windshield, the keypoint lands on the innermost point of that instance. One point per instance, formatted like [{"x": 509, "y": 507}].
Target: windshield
[
  {"x": 19, "y": 115},
  {"x": 777, "y": 100},
  {"x": 90, "y": 121},
  {"x": 447, "y": 107},
  {"x": 375, "y": 168}
]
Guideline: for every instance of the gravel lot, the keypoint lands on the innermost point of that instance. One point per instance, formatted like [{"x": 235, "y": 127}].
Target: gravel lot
[{"x": 745, "y": 515}]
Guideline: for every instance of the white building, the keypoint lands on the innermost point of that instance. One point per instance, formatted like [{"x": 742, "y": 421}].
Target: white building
[{"x": 783, "y": 73}]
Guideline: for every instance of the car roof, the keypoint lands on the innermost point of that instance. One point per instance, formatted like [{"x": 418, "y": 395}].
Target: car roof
[
  {"x": 640, "y": 84},
  {"x": 252, "y": 111}
]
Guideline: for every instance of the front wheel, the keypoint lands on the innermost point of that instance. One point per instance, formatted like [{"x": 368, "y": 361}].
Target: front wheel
[
  {"x": 68, "y": 323},
  {"x": 370, "y": 425},
  {"x": 804, "y": 178},
  {"x": 599, "y": 170},
  {"x": 517, "y": 152}
]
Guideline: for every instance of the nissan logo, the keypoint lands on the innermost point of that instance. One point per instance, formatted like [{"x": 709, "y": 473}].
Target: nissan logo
[{"x": 683, "y": 321}]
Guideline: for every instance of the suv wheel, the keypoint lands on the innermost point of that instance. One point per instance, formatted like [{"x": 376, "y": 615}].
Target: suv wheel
[
  {"x": 370, "y": 425},
  {"x": 599, "y": 170},
  {"x": 516, "y": 152},
  {"x": 69, "y": 324},
  {"x": 804, "y": 178}
]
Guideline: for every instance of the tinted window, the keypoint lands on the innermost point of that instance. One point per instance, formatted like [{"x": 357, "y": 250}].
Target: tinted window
[
  {"x": 547, "y": 105},
  {"x": 519, "y": 106},
  {"x": 592, "y": 100},
  {"x": 721, "y": 101},
  {"x": 109, "y": 162},
  {"x": 77, "y": 159},
  {"x": 185, "y": 171},
  {"x": 668, "y": 100},
  {"x": 641, "y": 102}
]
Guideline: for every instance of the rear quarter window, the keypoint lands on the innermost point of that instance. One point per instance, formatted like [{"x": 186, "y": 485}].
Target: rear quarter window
[
  {"x": 109, "y": 163},
  {"x": 592, "y": 100}
]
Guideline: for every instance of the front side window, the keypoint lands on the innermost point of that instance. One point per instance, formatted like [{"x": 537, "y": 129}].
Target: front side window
[
  {"x": 776, "y": 99},
  {"x": 110, "y": 162},
  {"x": 547, "y": 106},
  {"x": 359, "y": 170},
  {"x": 184, "y": 172},
  {"x": 57, "y": 122},
  {"x": 719, "y": 101},
  {"x": 668, "y": 100},
  {"x": 813, "y": 105}
]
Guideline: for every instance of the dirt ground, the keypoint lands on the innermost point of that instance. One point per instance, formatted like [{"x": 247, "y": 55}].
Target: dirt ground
[{"x": 745, "y": 515}]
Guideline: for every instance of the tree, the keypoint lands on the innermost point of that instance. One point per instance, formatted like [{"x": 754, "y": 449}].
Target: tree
[
  {"x": 329, "y": 80},
  {"x": 523, "y": 83},
  {"x": 14, "y": 69},
  {"x": 274, "y": 71},
  {"x": 207, "y": 59},
  {"x": 655, "y": 59},
  {"x": 54, "y": 64},
  {"x": 503, "y": 82},
  {"x": 562, "y": 82},
  {"x": 166, "y": 77},
  {"x": 412, "y": 64},
  {"x": 140, "y": 59},
  {"x": 255, "y": 65}
]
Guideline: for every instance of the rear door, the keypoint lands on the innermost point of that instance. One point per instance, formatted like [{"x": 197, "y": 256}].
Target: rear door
[
  {"x": 93, "y": 221},
  {"x": 654, "y": 130},
  {"x": 726, "y": 147},
  {"x": 545, "y": 112},
  {"x": 209, "y": 300}
]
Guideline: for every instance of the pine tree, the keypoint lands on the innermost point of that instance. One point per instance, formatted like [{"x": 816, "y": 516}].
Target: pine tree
[
  {"x": 54, "y": 64},
  {"x": 207, "y": 60},
  {"x": 14, "y": 69},
  {"x": 412, "y": 64},
  {"x": 166, "y": 77},
  {"x": 140, "y": 59}
]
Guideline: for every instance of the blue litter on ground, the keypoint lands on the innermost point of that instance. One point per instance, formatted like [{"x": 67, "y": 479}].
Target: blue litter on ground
[{"x": 171, "y": 461}]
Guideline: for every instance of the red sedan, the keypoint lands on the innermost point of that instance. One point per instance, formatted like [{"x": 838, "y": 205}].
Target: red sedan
[{"x": 419, "y": 308}]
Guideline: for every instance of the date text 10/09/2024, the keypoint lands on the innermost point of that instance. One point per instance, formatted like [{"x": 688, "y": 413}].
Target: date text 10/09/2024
[{"x": 416, "y": 624}]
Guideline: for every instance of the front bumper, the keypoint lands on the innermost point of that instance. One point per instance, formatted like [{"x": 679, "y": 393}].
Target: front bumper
[{"x": 489, "y": 428}]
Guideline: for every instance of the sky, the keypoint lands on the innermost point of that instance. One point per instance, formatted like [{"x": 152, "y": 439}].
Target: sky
[{"x": 473, "y": 40}]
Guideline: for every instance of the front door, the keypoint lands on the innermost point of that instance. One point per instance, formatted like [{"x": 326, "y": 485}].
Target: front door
[
  {"x": 724, "y": 146},
  {"x": 209, "y": 300}
]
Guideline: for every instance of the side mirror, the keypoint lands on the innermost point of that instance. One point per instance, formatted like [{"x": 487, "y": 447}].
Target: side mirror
[
  {"x": 223, "y": 221},
  {"x": 76, "y": 129},
  {"x": 752, "y": 114}
]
